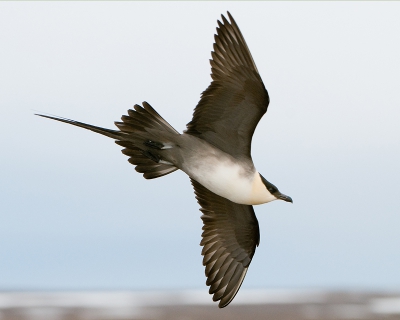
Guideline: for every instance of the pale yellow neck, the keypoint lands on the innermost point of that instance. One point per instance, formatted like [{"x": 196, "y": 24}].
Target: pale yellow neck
[{"x": 259, "y": 192}]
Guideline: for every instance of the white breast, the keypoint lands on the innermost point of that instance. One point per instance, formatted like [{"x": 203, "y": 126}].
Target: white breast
[
  {"x": 260, "y": 193},
  {"x": 229, "y": 179}
]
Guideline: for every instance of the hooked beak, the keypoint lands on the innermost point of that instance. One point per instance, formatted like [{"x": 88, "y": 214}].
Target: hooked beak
[{"x": 285, "y": 198}]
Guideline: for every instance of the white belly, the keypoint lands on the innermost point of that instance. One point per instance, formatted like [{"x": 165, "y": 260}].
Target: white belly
[
  {"x": 230, "y": 180},
  {"x": 226, "y": 180}
]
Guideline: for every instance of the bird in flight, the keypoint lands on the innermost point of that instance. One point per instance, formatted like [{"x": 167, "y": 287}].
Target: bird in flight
[{"x": 215, "y": 152}]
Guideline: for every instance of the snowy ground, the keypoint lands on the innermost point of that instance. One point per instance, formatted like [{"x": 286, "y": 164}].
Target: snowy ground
[{"x": 193, "y": 304}]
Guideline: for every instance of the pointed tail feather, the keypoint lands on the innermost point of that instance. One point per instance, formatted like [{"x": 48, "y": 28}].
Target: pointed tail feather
[
  {"x": 106, "y": 132},
  {"x": 144, "y": 134}
]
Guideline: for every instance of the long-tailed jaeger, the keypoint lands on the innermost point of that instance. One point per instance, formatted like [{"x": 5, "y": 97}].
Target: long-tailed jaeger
[{"x": 214, "y": 151}]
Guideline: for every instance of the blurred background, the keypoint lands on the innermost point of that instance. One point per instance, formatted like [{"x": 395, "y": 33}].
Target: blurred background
[{"x": 81, "y": 231}]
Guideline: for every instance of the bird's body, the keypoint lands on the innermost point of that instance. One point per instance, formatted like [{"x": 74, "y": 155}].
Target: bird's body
[
  {"x": 214, "y": 152},
  {"x": 216, "y": 170},
  {"x": 229, "y": 177}
]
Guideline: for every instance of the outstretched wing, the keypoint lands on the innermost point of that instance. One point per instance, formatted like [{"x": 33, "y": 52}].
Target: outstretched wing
[
  {"x": 235, "y": 101},
  {"x": 230, "y": 236}
]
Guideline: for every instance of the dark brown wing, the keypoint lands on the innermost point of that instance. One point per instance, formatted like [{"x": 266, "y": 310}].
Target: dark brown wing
[
  {"x": 230, "y": 236},
  {"x": 235, "y": 101}
]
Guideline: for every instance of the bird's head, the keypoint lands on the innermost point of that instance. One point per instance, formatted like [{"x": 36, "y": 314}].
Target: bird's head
[{"x": 273, "y": 190}]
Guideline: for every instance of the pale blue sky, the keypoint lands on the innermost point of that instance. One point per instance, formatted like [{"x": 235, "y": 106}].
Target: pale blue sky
[{"x": 74, "y": 214}]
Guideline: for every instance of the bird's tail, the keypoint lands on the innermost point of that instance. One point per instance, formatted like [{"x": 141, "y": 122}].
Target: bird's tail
[{"x": 145, "y": 136}]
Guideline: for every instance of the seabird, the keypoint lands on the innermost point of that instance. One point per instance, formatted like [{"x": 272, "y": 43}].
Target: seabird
[{"x": 214, "y": 151}]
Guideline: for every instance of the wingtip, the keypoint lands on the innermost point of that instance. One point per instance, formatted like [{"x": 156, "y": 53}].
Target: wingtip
[
  {"x": 224, "y": 19},
  {"x": 232, "y": 294},
  {"x": 231, "y": 20},
  {"x": 222, "y": 304}
]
